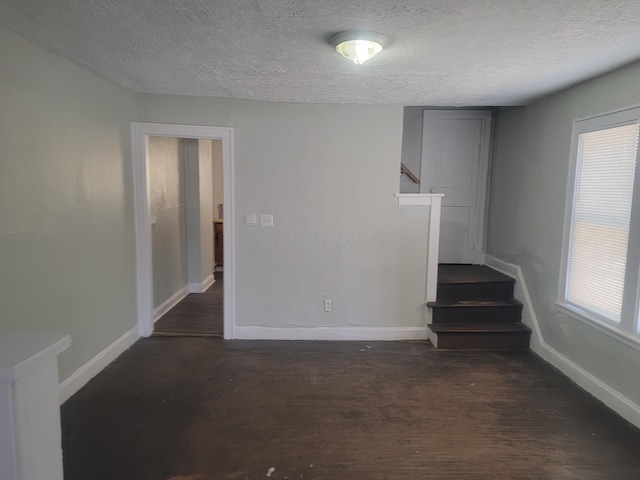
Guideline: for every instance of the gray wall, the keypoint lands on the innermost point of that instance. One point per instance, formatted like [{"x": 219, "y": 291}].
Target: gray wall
[
  {"x": 526, "y": 215},
  {"x": 411, "y": 147},
  {"x": 199, "y": 197},
  {"x": 66, "y": 222},
  {"x": 328, "y": 174},
  {"x": 168, "y": 216},
  {"x": 66, "y": 219},
  {"x": 66, "y": 225},
  {"x": 215, "y": 147},
  {"x": 206, "y": 207}
]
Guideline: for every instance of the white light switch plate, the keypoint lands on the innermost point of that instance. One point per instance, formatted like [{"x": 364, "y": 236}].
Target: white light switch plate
[
  {"x": 266, "y": 220},
  {"x": 251, "y": 218}
]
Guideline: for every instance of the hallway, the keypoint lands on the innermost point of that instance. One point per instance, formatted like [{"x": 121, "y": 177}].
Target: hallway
[{"x": 197, "y": 315}]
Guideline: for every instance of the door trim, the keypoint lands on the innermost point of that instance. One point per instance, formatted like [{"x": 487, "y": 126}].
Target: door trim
[
  {"x": 140, "y": 132},
  {"x": 483, "y": 169}
]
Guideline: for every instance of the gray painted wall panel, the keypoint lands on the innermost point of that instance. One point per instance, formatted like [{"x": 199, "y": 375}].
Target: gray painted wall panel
[
  {"x": 206, "y": 207},
  {"x": 168, "y": 216},
  {"x": 529, "y": 178},
  {"x": 328, "y": 174},
  {"x": 411, "y": 147},
  {"x": 67, "y": 260}
]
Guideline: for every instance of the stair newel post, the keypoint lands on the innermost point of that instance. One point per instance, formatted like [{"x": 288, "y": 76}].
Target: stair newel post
[
  {"x": 434, "y": 201},
  {"x": 30, "y": 431},
  {"x": 433, "y": 249}
]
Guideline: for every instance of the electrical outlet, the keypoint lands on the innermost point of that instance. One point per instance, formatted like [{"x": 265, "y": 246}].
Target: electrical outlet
[
  {"x": 328, "y": 305},
  {"x": 266, "y": 220},
  {"x": 251, "y": 218}
]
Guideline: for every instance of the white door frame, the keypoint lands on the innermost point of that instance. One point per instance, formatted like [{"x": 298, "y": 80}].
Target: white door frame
[
  {"x": 140, "y": 133},
  {"x": 483, "y": 170}
]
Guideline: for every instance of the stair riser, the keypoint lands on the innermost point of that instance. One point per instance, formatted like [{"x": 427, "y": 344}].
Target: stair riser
[
  {"x": 503, "y": 314},
  {"x": 475, "y": 309},
  {"x": 483, "y": 341},
  {"x": 474, "y": 291}
]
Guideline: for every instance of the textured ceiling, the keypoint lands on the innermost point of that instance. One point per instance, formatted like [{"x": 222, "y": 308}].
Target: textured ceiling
[{"x": 442, "y": 52}]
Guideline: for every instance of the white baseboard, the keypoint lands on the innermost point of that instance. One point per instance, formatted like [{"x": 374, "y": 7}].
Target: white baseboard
[
  {"x": 331, "y": 333},
  {"x": 169, "y": 303},
  {"x": 603, "y": 392},
  {"x": 612, "y": 398},
  {"x": 80, "y": 377},
  {"x": 521, "y": 293},
  {"x": 202, "y": 286}
]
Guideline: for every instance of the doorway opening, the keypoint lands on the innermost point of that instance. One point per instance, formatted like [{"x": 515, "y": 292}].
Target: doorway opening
[
  {"x": 455, "y": 159},
  {"x": 157, "y": 203}
]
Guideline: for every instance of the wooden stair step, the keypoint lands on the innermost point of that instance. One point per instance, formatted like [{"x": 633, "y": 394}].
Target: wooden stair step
[
  {"x": 486, "y": 336},
  {"x": 476, "y": 290},
  {"x": 479, "y": 303},
  {"x": 461, "y": 274},
  {"x": 473, "y": 282},
  {"x": 478, "y": 327},
  {"x": 476, "y": 309},
  {"x": 467, "y": 311}
]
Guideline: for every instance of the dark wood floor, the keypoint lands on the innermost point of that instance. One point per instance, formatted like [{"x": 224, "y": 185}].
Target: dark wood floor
[
  {"x": 198, "y": 314},
  {"x": 204, "y": 409}
]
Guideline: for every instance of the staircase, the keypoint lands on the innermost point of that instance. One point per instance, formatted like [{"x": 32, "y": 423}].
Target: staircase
[{"x": 475, "y": 309}]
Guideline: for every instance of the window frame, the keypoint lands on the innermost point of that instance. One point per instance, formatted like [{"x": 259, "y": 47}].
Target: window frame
[{"x": 627, "y": 329}]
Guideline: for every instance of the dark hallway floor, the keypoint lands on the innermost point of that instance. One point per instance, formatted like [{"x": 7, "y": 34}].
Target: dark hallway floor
[
  {"x": 197, "y": 315},
  {"x": 204, "y": 409}
]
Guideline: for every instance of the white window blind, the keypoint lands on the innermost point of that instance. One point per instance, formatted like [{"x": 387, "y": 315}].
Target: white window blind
[{"x": 599, "y": 230}]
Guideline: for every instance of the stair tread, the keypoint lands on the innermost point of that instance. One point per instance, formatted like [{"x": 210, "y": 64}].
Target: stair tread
[
  {"x": 458, "y": 303},
  {"x": 479, "y": 327},
  {"x": 464, "y": 274},
  {"x": 475, "y": 309}
]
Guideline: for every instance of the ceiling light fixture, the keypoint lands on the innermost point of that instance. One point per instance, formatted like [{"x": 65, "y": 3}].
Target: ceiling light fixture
[{"x": 357, "y": 45}]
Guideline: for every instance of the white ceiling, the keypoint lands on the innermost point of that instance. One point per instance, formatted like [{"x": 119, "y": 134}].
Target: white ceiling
[{"x": 442, "y": 52}]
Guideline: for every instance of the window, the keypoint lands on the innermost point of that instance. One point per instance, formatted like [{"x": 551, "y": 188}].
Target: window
[{"x": 601, "y": 258}]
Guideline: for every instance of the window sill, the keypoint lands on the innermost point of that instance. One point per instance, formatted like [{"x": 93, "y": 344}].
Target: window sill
[{"x": 630, "y": 340}]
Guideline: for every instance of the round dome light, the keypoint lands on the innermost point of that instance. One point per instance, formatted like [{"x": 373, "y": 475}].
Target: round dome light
[{"x": 358, "y": 46}]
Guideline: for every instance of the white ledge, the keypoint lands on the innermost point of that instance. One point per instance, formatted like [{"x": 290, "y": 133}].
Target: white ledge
[
  {"x": 21, "y": 352},
  {"x": 405, "y": 199}
]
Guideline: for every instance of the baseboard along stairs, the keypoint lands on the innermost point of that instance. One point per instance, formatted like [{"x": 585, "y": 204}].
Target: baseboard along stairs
[{"x": 475, "y": 309}]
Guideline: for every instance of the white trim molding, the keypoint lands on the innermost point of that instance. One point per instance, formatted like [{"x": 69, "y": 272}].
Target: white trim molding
[
  {"x": 140, "y": 132},
  {"x": 433, "y": 200},
  {"x": 433, "y": 251},
  {"x": 417, "y": 199},
  {"x": 169, "y": 303},
  {"x": 331, "y": 333},
  {"x": 603, "y": 316},
  {"x": 521, "y": 293},
  {"x": 202, "y": 286},
  {"x": 603, "y": 392},
  {"x": 29, "y": 405},
  {"x": 612, "y": 398},
  {"x": 632, "y": 341},
  {"x": 80, "y": 377}
]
